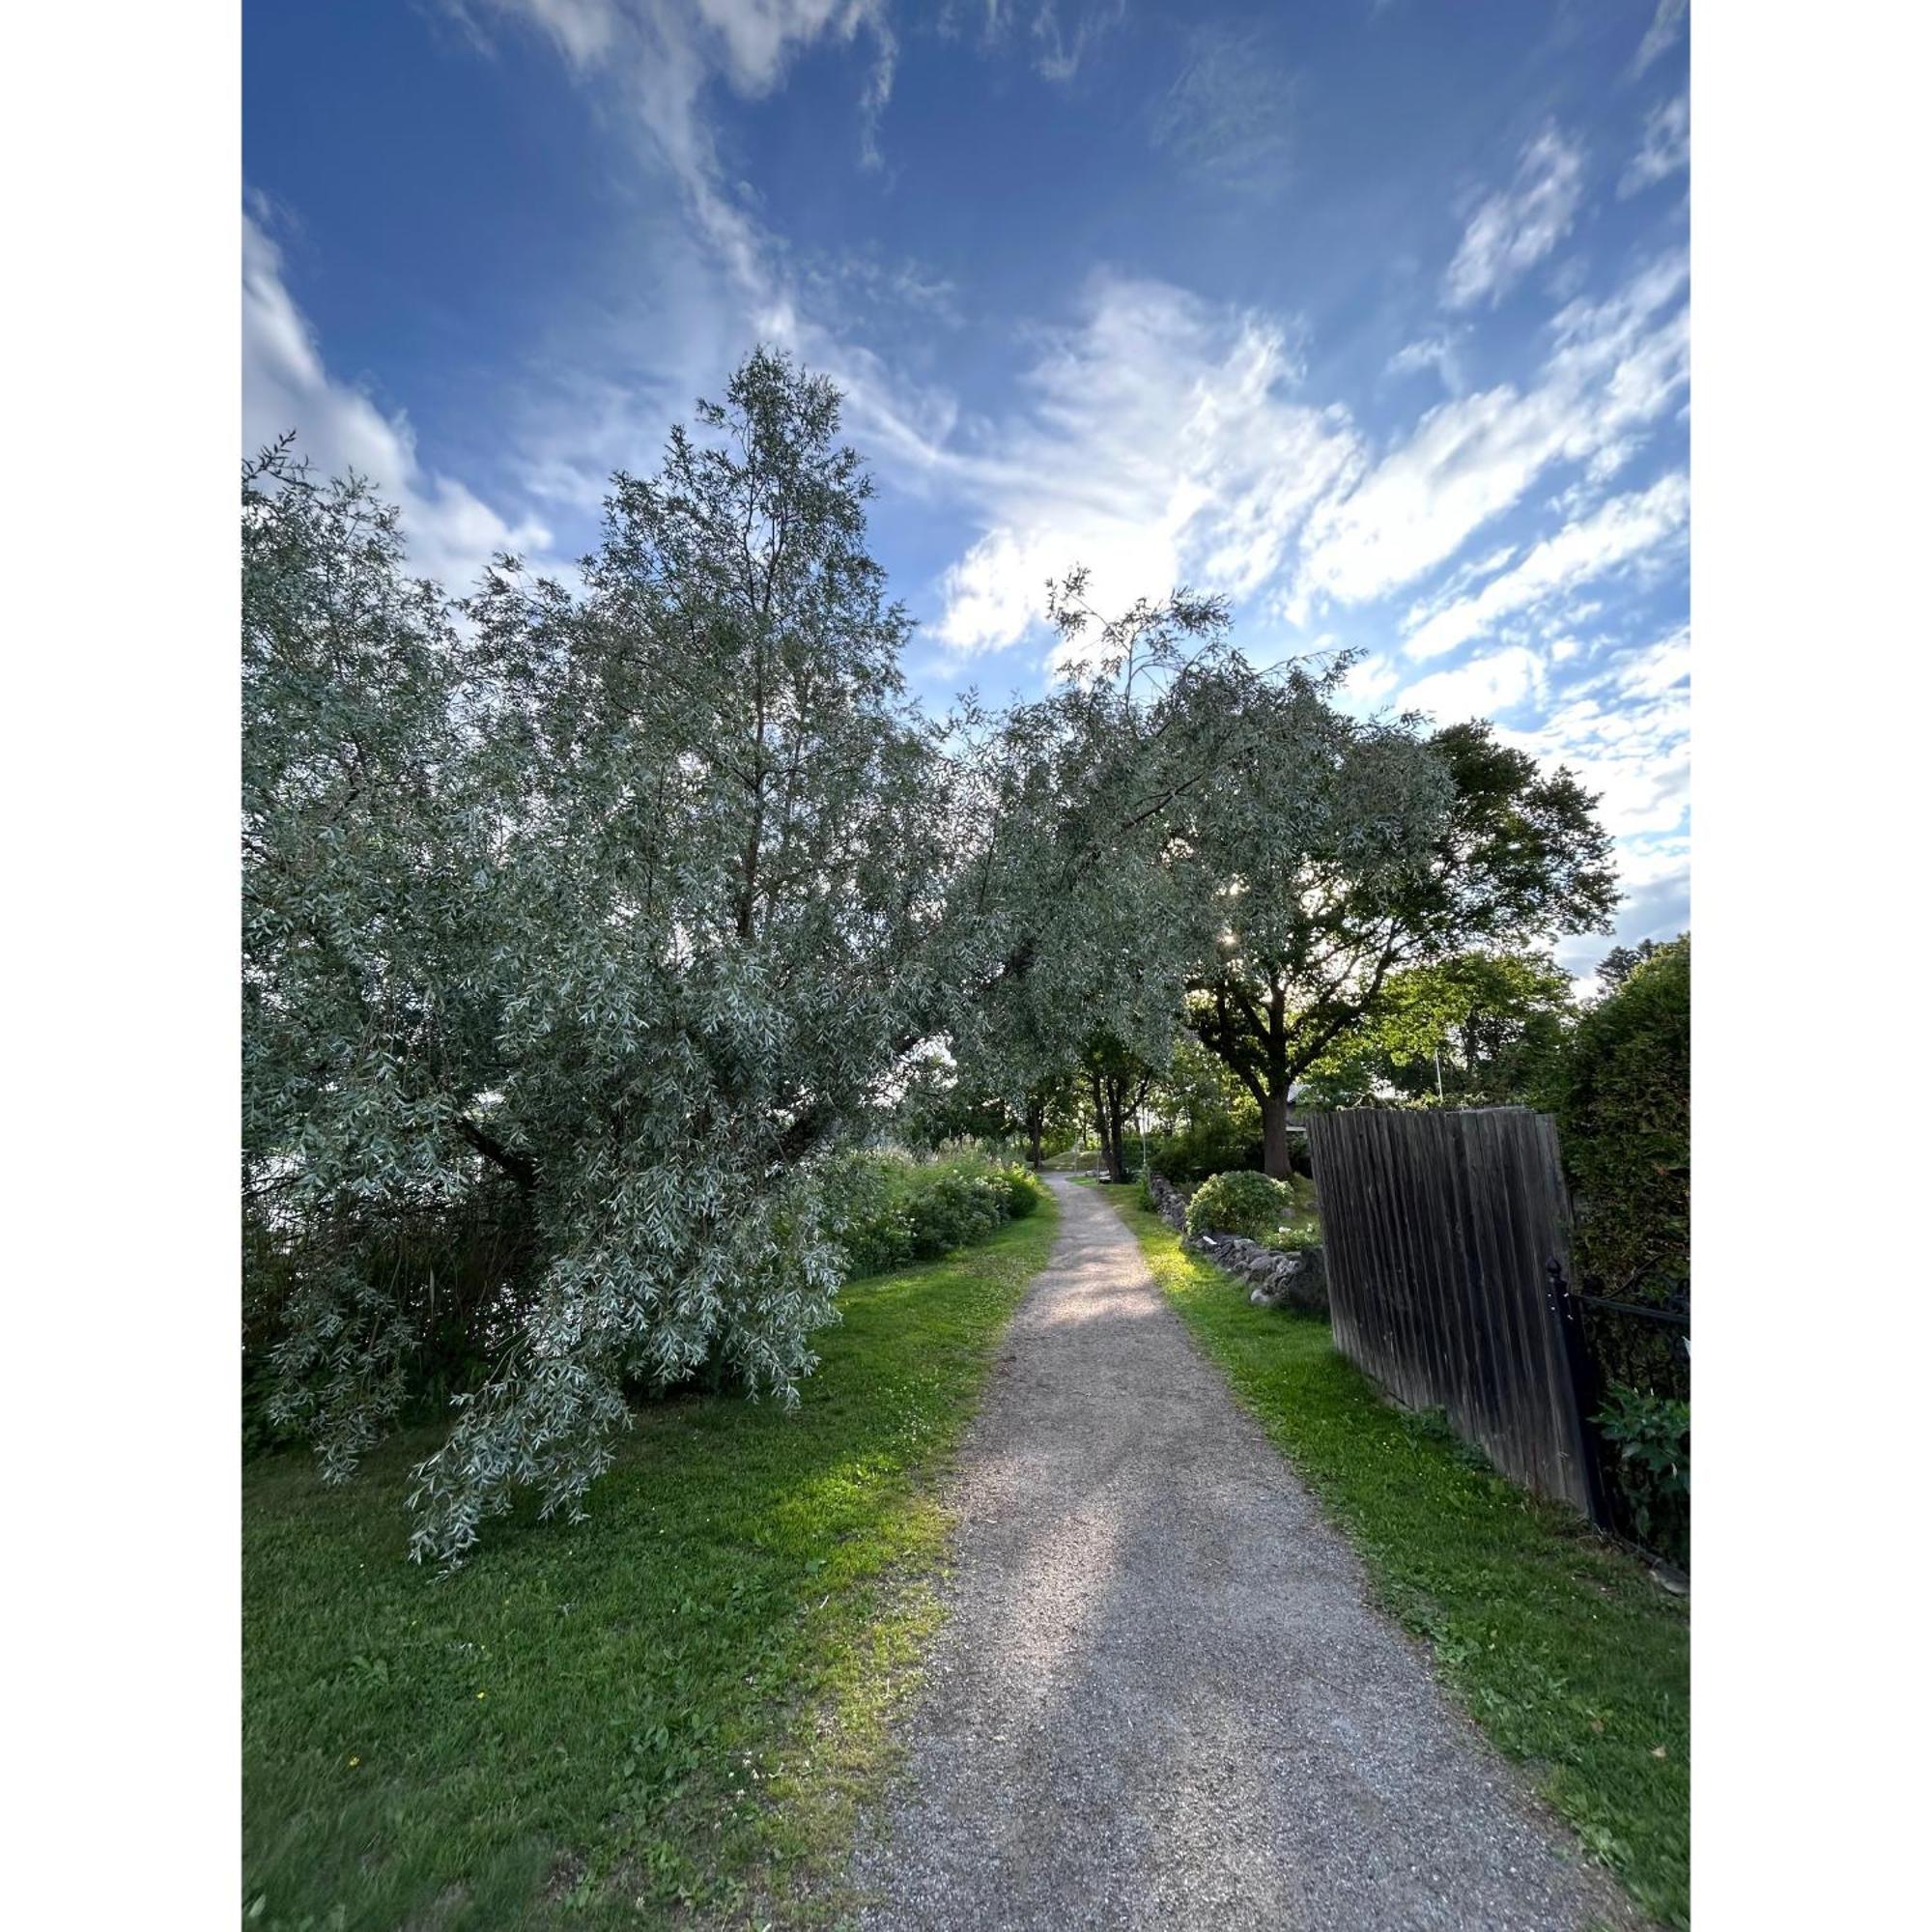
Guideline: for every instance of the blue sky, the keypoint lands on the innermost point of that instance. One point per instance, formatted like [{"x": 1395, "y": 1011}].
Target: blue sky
[{"x": 1370, "y": 314}]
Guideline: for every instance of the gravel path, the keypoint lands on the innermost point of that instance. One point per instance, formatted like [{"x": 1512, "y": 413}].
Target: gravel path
[{"x": 1160, "y": 1697}]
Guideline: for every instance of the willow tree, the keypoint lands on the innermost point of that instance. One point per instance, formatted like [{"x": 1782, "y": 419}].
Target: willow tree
[
  {"x": 1072, "y": 918},
  {"x": 367, "y": 1005},
  {"x": 611, "y": 909}
]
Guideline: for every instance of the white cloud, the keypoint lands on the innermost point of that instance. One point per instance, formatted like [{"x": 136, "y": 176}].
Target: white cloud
[
  {"x": 1433, "y": 352},
  {"x": 1626, "y": 734},
  {"x": 1060, "y": 54},
  {"x": 664, "y": 53},
  {"x": 1665, "y": 26},
  {"x": 1160, "y": 439},
  {"x": 1517, "y": 226},
  {"x": 1666, "y": 146},
  {"x": 1164, "y": 444},
  {"x": 452, "y": 533},
  {"x": 1371, "y": 678},
  {"x": 1167, "y": 444},
  {"x": 1482, "y": 688},
  {"x": 1228, "y": 110},
  {"x": 725, "y": 282},
  {"x": 1657, "y": 671},
  {"x": 1624, "y": 529},
  {"x": 752, "y": 43},
  {"x": 1614, "y": 368}
]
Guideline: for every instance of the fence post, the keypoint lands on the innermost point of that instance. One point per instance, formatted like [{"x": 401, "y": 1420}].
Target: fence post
[{"x": 1577, "y": 1355}]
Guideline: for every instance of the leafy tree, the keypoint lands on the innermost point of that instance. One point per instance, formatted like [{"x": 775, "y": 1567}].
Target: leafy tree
[
  {"x": 622, "y": 911},
  {"x": 581, "y": 932},
  {"x": 1197, "y": 1087},
  {"x": 1117, "y": 1080},
  {"x": 1069, "y": 947},
  {"x": 1047, "y": 1115},
  {"x": 1621, "y": 961},
  {"x": 1479, "y": 1030},
  {"x": 1050, "y": 1112},
  {"x": 1203, "y": 1121},
  {"x": 1175, "y": 829},
  {"x": 1339, "y": 853},
  {"x": 944, "y": 1101},
  {"x": 366, "y": 1041},
  {"x": 1081, "y": 899}
]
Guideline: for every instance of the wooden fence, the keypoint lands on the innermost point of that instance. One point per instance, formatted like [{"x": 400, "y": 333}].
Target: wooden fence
[{"x": 1447, "y": 1237}]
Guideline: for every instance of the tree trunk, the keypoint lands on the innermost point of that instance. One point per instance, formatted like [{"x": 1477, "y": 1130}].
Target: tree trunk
[
  {"x": 1101, "y": 1123},
  {"x": 1275, "y": 1163},
  {"x": 1036, "y": 1134},
  {"x": 1117, "y": 1160}
]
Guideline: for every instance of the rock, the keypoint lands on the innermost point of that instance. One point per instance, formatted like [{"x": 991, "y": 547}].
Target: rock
[
  {"x": 1275, "y": 1279},
  {"x": 1169, "y": 1203},
  {"x": 1304, "y": 1282}
]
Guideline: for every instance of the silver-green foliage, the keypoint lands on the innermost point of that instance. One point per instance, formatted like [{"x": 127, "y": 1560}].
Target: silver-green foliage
[
  {"x": 1077, "y": 913},
  {"x": 590, "y": 920},
  {"x": 612, "y": 905}
]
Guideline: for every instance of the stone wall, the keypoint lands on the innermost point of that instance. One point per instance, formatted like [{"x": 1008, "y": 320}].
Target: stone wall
[
  {"x": 1169, "y": 1203},
  {"x": 1275, "y": 1280}
]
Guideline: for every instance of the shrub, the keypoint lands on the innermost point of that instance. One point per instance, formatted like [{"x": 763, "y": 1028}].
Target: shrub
[
  {"x": 953, "y": 1206},
  {"x": 1240, "y": 1204},
  {"x": 1625, "y": 1123},
  {"x": 1025, "y": 1191},
  {"x": 1650, "y": 1473},
  {"x": 885, "y": 1209},
  {"x": 866, "y": 1211},
  {"x": 1295, "y": 1236}
]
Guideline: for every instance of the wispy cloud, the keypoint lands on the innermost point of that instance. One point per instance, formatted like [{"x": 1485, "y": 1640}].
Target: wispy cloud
[
  {"x": 1625, "y": 528},
  {"x": 1666, "y": 25},
  {"x": 1487, "y": 686},
  {"x": 1514, "y": 228},
  {"x": 660, "y": 59},
  {"x": 1166, "y": 442},
  {"x": 452, "y": 533},
  {"x": 1170, "y": 441},
  {"x": 1440, "y": 353},
  {"x": 1666, "y": 146},
  {"x": 1061, "y": 53},
  {"x": 666, "y": 53},
  {"x": 1614, "y": 368},
  {"x": 1227, "y": 111},
  {"x": 1626, "y": 734}
]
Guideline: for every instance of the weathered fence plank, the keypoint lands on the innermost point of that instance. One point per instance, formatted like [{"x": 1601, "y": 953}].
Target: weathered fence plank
[{"x": 1441, "y": 1230}]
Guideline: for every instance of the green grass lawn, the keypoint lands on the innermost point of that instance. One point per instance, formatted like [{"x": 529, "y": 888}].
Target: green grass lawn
[
  {"x": 1559, "y": 1645},
  {"x": 669, "y": 1711}
]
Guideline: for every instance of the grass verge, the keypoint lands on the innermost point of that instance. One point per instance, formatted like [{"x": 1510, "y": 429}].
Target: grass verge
[
  {"x": 1559, "y": 1645},
  {"x": 668, "y": 1713}
]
